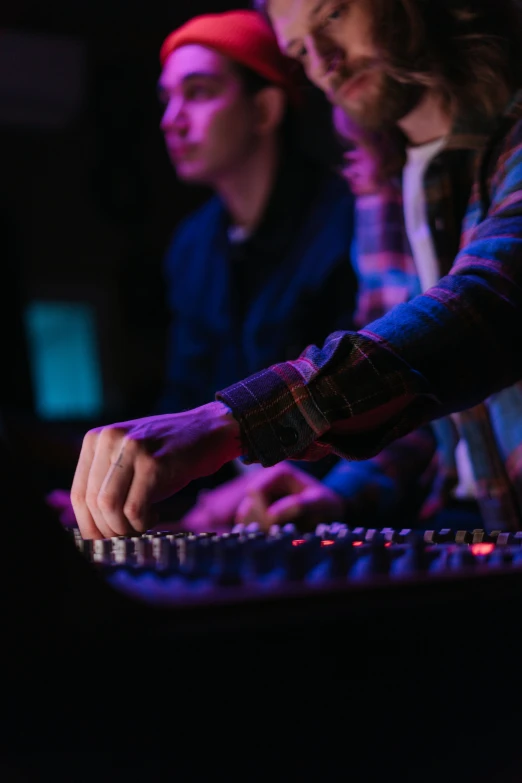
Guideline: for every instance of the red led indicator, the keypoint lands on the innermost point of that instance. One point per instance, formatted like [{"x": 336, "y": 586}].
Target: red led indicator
[
  {"x": 327, "y": 542},
  {"x": 482, "y": 549},
  {"x": 357, "y": 543},
  {"x": 298, "y": 541},
  {"x": 388, "y": 543}
]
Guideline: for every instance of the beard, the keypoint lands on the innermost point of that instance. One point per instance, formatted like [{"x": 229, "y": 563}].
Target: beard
[{"x": 384, "y": 103}]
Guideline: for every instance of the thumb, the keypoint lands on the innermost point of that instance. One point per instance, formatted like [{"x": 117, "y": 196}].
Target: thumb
[
  {"x": 252, "y": 508},
  {"x": 285, "y": 509},
  {"x": 309, "y": 506}
]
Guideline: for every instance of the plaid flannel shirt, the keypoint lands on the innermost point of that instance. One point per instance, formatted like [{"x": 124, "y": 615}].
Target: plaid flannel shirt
[{"x": 443, "y": 351}]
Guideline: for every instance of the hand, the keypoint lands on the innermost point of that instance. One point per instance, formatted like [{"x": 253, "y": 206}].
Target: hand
[
  {"x": 125, "y": 468},
  {"x": 286, "y": 494},
  {"x": 215, "y": 509}
]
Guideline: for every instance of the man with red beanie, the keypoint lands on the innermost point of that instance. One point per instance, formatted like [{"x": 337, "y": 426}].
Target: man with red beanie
[{"x": 263, "y": 268}]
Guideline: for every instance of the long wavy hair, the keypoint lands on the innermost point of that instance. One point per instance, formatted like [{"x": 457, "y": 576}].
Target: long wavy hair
[{"x": 469, "y": 51}]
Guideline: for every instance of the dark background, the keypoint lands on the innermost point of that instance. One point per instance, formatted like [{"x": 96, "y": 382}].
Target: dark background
[{"x": 87, "y": 206}]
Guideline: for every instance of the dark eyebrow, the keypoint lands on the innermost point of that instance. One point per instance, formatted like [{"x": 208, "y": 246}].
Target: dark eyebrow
[
  {"x": 315, "y": 10},
  {"x": 201, "y": 75},
  {"x": 163, "y": 89},
  {"x": 318, "y": 7}
]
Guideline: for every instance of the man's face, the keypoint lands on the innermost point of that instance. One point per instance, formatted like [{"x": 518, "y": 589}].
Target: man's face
[
  {"x": 208, "y": 121},
  {"x": 334, "y": 41}
]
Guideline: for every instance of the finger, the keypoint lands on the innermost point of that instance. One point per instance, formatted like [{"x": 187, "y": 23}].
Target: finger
[
  {"x": 109, "y": 479},
  {"x": 252, "y": 509},
  {"x": 281, "y": 480},
  {"x": 310, "y": 507},
  {"x": 86, "y": 523},
  {"x": 112, "y": 498},
  {"x": 143, "y": 490},
  {"x": 287, "y": 509}
]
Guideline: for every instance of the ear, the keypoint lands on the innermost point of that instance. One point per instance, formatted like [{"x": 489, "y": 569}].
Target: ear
[{"x": 270, "y": 105}]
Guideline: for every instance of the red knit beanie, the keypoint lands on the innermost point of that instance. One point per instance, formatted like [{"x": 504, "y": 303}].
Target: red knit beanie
[{"x": 243, "y": 36}]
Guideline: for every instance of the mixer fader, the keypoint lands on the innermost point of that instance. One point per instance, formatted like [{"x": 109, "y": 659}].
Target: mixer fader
[{"x": 173, "y": 567}]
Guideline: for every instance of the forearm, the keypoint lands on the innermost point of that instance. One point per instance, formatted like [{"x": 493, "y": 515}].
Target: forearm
[{"x": 299, "y": 410}]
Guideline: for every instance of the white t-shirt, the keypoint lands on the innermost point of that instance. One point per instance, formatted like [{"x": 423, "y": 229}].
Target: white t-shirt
[{"x": 423, "y": 251}]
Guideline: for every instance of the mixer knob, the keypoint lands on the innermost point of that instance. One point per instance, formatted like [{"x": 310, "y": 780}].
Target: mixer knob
[
  {"x": 372, "y": 533},
  {"x": 101, "y": 551},
  {"x": 402, "y": 535},
  {"x": 77, "y": 537},
  {"x": 161, "y": 553},
  {"x": 463, "y": 537},
  {"x": 479, "y": 536},
  {"x": 504, "y": 539},
  {"x": 359, "y": 533},
  {"x": 84, "y": 545},
  {"x": 395, "y": 536},
  {"x": 122, "y": 549},
  {"x": 443, "y": 536},
  {"x": 141, "y": 551},
  {"x": 322, "y": 530}
]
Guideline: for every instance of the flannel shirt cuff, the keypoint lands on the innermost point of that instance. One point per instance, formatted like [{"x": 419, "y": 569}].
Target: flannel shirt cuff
[{"x": 273, "y": 427}]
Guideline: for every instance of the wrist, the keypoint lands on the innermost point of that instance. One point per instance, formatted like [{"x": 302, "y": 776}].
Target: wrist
[{"x": 226, "y": 429}]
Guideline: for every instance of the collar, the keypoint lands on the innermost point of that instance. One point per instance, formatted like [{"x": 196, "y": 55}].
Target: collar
[{"x": 294, "y": 186}]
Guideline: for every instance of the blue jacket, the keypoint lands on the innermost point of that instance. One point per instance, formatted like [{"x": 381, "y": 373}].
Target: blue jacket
[{"x": 236, "y": 308}]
